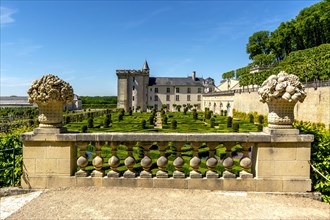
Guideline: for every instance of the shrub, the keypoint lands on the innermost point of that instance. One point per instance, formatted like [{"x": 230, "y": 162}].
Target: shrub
[
  {"x": 143, "y": 124},
  {"x": 90, "y": 123},
  {"x": 107, "y": 121},
  {"x": 251, "y": 118},
  {"x": 185, "y": 110},
  {"x": 151, "y": 119},
  {"x": 195, "y": 114},
  {"x": 236, "y": 127},
  {"x": 84, "y": 129},
  {"x": 121, "y": 116},
  {"x": 320, "y": 157},
  {"x": 229, "y": 122},
  {"x": 165, "y": 119},
  {"x": 222, "y": 113},
  {"x": 212, "y": 122},
  {"x": 174, "y": 124},
  {"x": 260, "y": 119},
  {"x": 130, "y": 111},
  {"x": 260, "y": 127}
]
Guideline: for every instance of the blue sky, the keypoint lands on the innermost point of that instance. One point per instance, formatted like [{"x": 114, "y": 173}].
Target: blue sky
[{"x": 84, "y": 42}]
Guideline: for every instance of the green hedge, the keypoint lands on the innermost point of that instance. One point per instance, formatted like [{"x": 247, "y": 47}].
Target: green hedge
[{"x": 320, "y": 156}]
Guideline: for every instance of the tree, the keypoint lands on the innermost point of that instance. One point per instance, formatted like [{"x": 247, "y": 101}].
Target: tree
[{"x": 258, "y": 44}]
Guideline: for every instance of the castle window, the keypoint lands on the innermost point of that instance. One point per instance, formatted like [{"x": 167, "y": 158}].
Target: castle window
[
  {"x": 188, "y": 90},
  {"x": 177, "y": 90},
  {"x": 199, "y": 90},
  {"x": 168, "y": 98},
  {"x": 150, "y": 89},
  {"x": 150, "y": 98},
  {"x": 168, "y": 90},
  {"x": 156, "y": 97},
  {"x": 156, "y": 90},
  {"x": 177, "y": 98},
  {"x": 133, "y": 98},
  {"x": 133, "y": 79},
  {"x": 133, "y": 87},
  {"x": 198, "y": 97},
  {"x": 188, "y": 97},
  {"x": 168, "y": 106}
]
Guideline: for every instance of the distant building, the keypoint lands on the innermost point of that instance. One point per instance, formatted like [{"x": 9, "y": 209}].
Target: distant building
[
  {"x": 76, "y": 104},
  {"x": 137, "y": 90},
  {"x": 23, "y": 101},
  {"x": 14, "y": 101}
]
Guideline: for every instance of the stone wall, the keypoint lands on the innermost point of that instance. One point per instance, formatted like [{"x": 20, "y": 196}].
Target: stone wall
[{"x": 315, "y": 108}]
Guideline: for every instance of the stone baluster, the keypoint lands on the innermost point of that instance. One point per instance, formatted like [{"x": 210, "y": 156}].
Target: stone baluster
[
  {"x": 162, "y": 161},
  {"x": 97, "y": 162},
  {"x": 82, "y": 161},
  {"x": 228, "y": 162},
  {"x": 146, "y": 162},
  {"x": 114, "y": 161},
  {"x": 245, "y": 162},
  {"x": 129, "y": 163},
  {"x": 211, "y": 163},
  {"x": 178, "y": 163},
  {"x": 195, "y": 162}
]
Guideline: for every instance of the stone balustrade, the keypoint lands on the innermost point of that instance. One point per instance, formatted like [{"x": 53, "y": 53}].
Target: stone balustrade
[{"x": 279, "y": 160}]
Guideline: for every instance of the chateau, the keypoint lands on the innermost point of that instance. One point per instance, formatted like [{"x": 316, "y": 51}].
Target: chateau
[{"x": 138, "y": 91}]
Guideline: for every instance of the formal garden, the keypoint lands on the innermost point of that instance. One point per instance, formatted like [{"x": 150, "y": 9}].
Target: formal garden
[{"x": 106, "y": 120}]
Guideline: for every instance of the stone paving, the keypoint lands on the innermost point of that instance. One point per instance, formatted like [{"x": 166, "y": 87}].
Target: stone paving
[{"x": 143, "y": 203}]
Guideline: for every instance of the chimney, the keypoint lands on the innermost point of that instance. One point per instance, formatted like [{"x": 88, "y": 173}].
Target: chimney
[{"x": 193, "y": 75}]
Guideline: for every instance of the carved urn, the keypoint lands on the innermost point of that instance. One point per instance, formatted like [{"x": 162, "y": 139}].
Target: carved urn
[
  {"x": 50, "y": 93},
  {"x": 281, "y": 93}
]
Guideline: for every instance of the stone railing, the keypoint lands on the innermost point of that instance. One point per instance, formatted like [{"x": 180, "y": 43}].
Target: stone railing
[
  {"x": 279, "y": 160},
  {"x": 54, "y": 158}
]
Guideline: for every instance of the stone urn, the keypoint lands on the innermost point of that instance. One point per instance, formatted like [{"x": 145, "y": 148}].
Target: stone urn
[
  {"x": 50, "y": 93},
  {"x": 281, "y": 93}
]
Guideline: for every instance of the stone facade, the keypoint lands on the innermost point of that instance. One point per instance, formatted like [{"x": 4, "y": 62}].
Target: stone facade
[{"x": 139, "y": 91}]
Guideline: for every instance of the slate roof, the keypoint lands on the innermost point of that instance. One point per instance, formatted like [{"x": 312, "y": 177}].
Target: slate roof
[{"x": 175, "y": 81}]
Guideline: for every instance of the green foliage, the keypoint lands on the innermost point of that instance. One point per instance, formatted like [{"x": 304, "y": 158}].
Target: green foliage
[
  {"x": 311, "y": 28},
  {"x": 90, "y": 122},
  {"x": 98, "y": 100},
  {"x": 165, "y": 120},
  {"x": 225, "y": 113},
  {"x": 228, "y": 75},
  {"x": 174, "y": 124},
  {"x": 130, "y": 111},
  {"x": 236, "y": 127},
  {"x": 212, "y": 122},
  {"x": 195, "y": 114},
  {"x": 261, "y": 119},
  {"x": 229, "y": 122},
  {"x": 260, "y": 127},
  {"x": 10, "y": 160},
  {"x": 107, "y": 121},
  {"x": 258, "y": 44},
  {"x": 320, "y": 156},
  {"x": 251, "y": 118},
  {"x": 143, "y": 124},
  {"x": 84, "y": 129}
]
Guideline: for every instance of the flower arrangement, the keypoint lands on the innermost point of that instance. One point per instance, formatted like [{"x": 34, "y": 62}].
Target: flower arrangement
[
  {"x": 50, "y": 88},
  {"x": 282, "y": 86}
]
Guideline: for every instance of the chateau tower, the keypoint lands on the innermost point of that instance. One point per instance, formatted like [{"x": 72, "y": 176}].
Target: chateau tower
[{"x": 132, "y": 88}]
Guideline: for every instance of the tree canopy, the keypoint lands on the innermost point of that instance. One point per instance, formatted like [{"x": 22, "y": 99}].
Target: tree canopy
[{"x": 310, "y": 28}]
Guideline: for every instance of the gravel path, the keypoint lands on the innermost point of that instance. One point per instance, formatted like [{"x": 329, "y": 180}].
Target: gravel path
[{"x": 142, "y": 203}]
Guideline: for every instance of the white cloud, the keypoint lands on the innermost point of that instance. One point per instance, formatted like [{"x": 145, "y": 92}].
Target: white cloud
[{"x": 6, "y": 15}]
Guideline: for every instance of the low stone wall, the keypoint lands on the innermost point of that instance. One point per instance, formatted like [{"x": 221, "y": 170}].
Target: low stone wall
[{"x": 315, "y": 108}]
